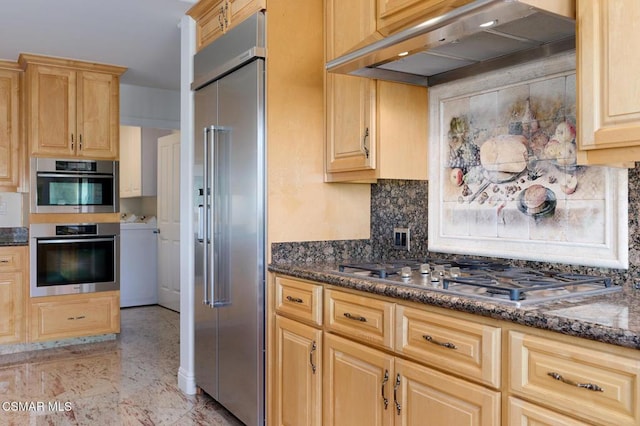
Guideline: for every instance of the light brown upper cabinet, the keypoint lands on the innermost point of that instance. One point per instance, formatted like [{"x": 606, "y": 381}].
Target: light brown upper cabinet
[
  {"x": 394, "y": 15},
  {"x": 216, "y": 17},
  {"x": 608, "y": 87},
  {"x": 72, "y": 107},
  {"x": 374, "y": 129},
  {"x": 9, "y": 127}
]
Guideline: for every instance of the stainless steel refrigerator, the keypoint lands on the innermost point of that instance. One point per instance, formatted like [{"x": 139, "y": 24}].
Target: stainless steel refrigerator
[{"x": 229, "y": 185}]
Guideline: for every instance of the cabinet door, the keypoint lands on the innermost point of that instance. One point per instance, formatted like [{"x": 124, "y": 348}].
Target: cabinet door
[
  {"x": 11, "y": 307},
  {"x": 524, "y": 413},
  {"x": 357, "y": 384},
  {"x": 351, "y": 129},
  {"x": 130, "y": 161},
  {"x": 239, "y": 10},
  {"x": 52, "y": 110},
  {"x": 607, "y": 81},
  {"x": 211, "y": 19},
  {"x": 98, "y": 115},
  {"x": 9, "y": 129},
  {"x": 298, "y": 376},
  {"x": 394, "y": 15},
  {"x": 348, "y": 24},
  {"x": 425, "y": 396}
]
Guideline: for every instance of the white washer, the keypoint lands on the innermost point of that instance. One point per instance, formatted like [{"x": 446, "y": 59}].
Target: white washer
[{"x": 138, "y": 264}]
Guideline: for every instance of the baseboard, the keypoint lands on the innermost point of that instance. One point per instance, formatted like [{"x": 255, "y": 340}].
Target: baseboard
[{"x": 186, "y": 382}]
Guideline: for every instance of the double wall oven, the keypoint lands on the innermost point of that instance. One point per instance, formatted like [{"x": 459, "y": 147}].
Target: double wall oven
[{"x": 73, "y": 254}]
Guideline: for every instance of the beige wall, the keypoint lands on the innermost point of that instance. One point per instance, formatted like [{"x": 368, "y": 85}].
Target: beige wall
[
  {"x": 301, "y": 207},
  {"x": 13, "y": 209}
]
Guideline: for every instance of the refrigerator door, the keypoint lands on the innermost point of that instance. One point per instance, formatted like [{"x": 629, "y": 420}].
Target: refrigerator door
[
  {"x": 239, "y": 211},
  {"x": 206, "y": 318}
]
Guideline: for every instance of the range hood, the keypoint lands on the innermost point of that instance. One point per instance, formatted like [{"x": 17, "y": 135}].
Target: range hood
[{"x": 478, "y": 37}]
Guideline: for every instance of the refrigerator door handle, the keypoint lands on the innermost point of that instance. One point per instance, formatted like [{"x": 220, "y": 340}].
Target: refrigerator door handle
[
  {"x": 204, "y": 225},
  {"x": 218, "y": 287},
  {"x": 212, "y": 190}
]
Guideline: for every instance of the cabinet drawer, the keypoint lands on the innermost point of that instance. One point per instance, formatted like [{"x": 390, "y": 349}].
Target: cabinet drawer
[
  {"x": 601, "y": 388},
  {"x": 299, "y": 300},
  {"x": 59, "y": 317},
  {"x": 366, "y": 319},
  {"x": 12, "y": 258},
  {"x": 452, "y": 344}
]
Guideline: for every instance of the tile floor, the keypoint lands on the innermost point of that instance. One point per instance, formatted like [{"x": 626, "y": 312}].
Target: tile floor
[{"x": 127, "y": 381}]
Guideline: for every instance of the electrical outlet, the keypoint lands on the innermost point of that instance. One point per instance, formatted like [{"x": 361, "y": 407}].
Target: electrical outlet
[{"x": 401, "y": 240}]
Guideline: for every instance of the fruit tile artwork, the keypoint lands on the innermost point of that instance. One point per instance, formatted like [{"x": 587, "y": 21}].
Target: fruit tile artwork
[{"x": 507, "y": 168}]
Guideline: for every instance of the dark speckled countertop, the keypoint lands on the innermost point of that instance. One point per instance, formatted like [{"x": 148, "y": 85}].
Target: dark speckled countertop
[
  {"x": 609, "y": 318},
  {"x": 14, "y": 236}
]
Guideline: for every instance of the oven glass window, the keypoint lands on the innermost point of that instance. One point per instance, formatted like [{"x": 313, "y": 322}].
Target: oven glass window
[
  {"x": 67, "y": 263},
  {"x": 60, "y": 191}
]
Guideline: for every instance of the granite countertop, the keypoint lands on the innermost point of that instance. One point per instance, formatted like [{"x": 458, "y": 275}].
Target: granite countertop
[
  {"x": 608, "y": 318},
  {"x": 14, "y": 236}
]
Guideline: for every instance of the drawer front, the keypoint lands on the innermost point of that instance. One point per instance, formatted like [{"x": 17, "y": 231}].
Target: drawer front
[
  {"x": 362, "y": 318},
  {"x": 452, "y": 344},
  {"x": 94, "y": 315},
  {"x": 299, "y": 300},
  {"x": 601, "y": 388},
  {"x": 12, "y": 258}
]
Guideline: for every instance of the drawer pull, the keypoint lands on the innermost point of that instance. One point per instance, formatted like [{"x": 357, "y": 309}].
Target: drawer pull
[
  {"x": 355, "y": 317},
  {"x": 589, "y": 386},
  {"x": 313, "y": 349},
  {"x": 444, "y": 344},
  {"x": 294, "y": 299},
  {"x": 385, "y": 379},
  {"x": 4, "y": 260},
  {"x": 76, "y": 318}
]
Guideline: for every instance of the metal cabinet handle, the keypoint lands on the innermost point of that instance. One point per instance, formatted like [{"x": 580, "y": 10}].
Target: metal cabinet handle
[
  {"x": 385, "y": 379},
  {"x": 589, "y": 386},
  {"x": 76, "y": 318},
  {"x": 4, "y": 261},
  {"x": 220, "y": 19},
  {"x": 313, "y": 349},
  {"x": 443, "y": 344},
  {"x": 395, "y": 394},
  {"x": 355, "y": 317},
  {"x": 80, "y": 143},
  {"x": 294, "y": 299},
  {"x": 72, "y": 142},
  {"x": 365, "y": 137}
]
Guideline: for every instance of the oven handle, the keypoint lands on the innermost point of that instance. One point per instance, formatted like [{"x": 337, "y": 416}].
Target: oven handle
[
  {"x": 71, "y": 175},
  {"x": 74, "y": 240}
]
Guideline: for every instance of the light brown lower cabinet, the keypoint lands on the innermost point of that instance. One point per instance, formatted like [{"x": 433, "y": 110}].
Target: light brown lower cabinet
[
  {"x": 366, "y": 386},
  {"x": 524, "y": 413},
  {"x": 77, "y": 315},
  {"x": 298, "y": 373},
  {"x": 13, "y": 273}
]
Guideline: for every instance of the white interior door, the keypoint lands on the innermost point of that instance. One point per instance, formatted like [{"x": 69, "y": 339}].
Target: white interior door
[{"x": 169, "y": 221}]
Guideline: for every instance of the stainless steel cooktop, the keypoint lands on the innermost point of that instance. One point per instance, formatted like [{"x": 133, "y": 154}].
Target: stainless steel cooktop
[{"x": 495, "y": 281}]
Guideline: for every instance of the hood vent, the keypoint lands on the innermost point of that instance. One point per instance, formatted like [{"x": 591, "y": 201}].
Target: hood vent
[{"x": 481, "y": 36}]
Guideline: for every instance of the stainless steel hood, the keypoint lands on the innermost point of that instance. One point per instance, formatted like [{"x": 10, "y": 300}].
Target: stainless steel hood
[{"x": 481, "y": 36}]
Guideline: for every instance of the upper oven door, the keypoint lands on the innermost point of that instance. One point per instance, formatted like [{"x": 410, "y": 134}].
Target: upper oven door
[{"x": 61, "y": 186}]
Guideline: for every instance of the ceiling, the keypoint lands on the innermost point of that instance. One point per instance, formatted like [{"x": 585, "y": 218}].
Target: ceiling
[{"x": 142, "y": 35}]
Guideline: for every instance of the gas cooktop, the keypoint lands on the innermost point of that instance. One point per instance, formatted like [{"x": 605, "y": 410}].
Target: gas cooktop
[{"x": 496, "y": 281}]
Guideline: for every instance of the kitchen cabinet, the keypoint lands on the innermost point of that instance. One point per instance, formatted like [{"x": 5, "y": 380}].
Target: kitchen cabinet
[
  {"x": 11, "y": 152},
  {"x": 601, "y": 388},
  {"x": 130, "y": 161},
  {"x": 72, "y": 107},
  {"x": 298, "y": 373},
  {"x": 298, "y": 353},
  {"x": 525, "y": 413},
  {"x": 395, "y": 15},
  {"x": 216, "y": 17},
  {"x": 608, "y": 105},
  {"x": 74, "y": 315},
  {"x": 13, "y": 276},
  {"x": 374, "y": 129}
]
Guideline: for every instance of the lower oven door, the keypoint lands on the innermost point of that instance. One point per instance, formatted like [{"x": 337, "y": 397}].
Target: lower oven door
[{"x": 74, "y": 264}]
